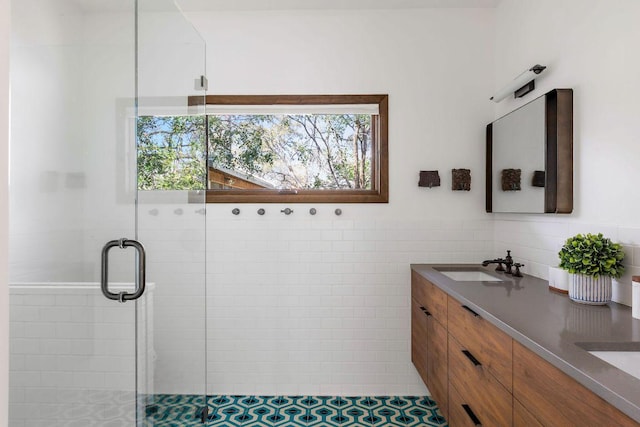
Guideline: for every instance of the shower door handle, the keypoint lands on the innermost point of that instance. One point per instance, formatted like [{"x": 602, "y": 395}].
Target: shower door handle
[{"x": 140, "y": 282}]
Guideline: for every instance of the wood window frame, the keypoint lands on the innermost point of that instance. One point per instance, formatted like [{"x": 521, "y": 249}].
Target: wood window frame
[{"x": 380, "y": 152}]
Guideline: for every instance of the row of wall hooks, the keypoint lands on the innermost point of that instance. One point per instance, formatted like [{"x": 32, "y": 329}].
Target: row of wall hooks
[
  {"x": 178, "y": 211},
  {"x": 286, "y": 211},
  {"x": 236, "y": 211}
]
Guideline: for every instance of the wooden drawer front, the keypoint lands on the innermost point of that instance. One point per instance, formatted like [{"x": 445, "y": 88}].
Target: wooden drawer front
[
  {"x": 557, "y": 399},
  {"x": 437, "y": 363},
  {"x": 430, "y": 296},
  {"x": 437, "y": 303},
  {"x": 491, "y": 346},
  {"x": 458, "y": 416},
  {"x": 418, "y": 288},
  {"x": 522, "y": 417},
  {"x": 419, "y": 339},
  {"x": 491, "y": 402}
]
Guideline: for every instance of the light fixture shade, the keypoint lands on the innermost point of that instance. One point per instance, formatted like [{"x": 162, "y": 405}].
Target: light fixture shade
[{"x": 518, "y": 82}]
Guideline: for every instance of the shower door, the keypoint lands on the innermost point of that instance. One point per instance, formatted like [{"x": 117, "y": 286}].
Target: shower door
[
  {"x": 171, "y": 213},
  {"x": 85, "y": 75}
]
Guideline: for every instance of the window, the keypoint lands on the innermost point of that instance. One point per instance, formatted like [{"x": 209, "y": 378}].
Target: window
[
  {"x": 316, "y": 148},
  {"x": 171, "y": 152}
]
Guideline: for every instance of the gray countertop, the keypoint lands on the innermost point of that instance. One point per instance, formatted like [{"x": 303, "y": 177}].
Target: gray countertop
[{"x": 550, "y": 324}]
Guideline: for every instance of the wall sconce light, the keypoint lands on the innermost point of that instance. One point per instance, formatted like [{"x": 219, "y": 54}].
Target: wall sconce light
[{"x": 521, "y": 85}]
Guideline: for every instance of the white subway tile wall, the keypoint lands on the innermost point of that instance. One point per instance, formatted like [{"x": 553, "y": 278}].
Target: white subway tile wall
[
  {"x": 305, "y": 304},
  {"x": 72, "y": 355},
  {"x": 536, "y": 243},
  {"x": 295, "y": 304},
  {"x": 174, "y": 236}
]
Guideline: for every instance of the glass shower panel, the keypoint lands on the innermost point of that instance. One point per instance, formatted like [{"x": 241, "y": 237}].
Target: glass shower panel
[
  {"x": 85, "y": 74},
  {"x": 72, "y": 189},
  {"x": 171, "y": 213}
]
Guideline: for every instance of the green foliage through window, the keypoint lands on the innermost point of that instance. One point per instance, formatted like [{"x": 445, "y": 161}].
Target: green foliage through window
[
  {"x": 293, "y": 151},
  {"x": 171, "y": 153}
]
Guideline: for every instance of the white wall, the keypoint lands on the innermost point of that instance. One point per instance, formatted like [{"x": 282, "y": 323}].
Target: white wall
[
  {"x": 588, "y": 46},
  {"x": 4, "y": 209},
  {"x": 107, "y": 143},
  {"x": 320, "y": 304},
  {"x": 46, "y": 149},
  {"x": 421, "y": 58}
]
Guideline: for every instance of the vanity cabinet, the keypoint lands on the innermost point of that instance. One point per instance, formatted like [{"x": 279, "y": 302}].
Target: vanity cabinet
[
  {"x": 429, "y": 296},
  {"x": 479, "y": 367},
  {"x": 419, "y": 339},
  {"x": 458, "y": 417},
  {"x": 490, "y": 346},
  {"x": 522, "y": 417},
  {"x": 479, "y": 375},
  {"x": 437, "y": 361},
  {"x": 429, "y": 337},
  {"x": 557, "y": 399}
]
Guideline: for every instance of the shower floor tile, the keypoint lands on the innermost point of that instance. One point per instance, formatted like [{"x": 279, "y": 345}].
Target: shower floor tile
[{"x": 172, "y": 410}]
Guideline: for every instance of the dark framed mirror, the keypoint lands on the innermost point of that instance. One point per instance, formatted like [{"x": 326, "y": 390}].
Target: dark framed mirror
[{"x": 530, "y": 157}]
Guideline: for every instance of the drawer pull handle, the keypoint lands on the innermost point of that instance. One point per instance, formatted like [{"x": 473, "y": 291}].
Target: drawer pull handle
[
  {"x": 425, "y": 311},
  {"x": 471, "y": 357},
  {"x": 471, "y": 311},
  {"x": 471, "y": 415}
]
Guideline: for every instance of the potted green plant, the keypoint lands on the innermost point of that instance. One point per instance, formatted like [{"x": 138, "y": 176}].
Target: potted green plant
[{"x": 591, "y": 260}]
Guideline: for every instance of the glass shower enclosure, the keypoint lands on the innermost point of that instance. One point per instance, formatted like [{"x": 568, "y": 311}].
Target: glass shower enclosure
[{"x": 84, "y": 73}]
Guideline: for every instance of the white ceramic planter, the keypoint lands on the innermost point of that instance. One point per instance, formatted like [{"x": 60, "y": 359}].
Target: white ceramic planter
[
  {"x": 635, "y": 297},
  {"x": 590, "y": 290}
]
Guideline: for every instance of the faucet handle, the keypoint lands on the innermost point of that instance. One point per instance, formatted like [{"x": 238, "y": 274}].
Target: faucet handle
[
  {"x": 517, "y": 273},
  {"x": 499, "y": 267}
]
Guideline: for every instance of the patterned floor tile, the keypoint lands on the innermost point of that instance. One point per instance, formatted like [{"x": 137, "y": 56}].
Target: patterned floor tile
[{"x": 292, "y": 411}]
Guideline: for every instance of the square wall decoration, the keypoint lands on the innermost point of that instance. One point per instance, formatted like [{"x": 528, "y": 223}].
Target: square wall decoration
[
  {"x": 511, "y": 180},
  {"x": 461, "y": 179},
  {"x": 429, "y": 179}
]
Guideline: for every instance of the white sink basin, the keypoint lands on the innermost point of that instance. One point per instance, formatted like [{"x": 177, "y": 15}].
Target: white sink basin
[
  {"x": 470, "y": 276},
  {"x": 627, "y": 361},
  {"x": 623, "y": 355}
]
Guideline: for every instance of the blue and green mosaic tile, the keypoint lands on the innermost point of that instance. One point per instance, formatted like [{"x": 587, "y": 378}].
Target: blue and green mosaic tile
[{"x": 292, "y": 411}]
